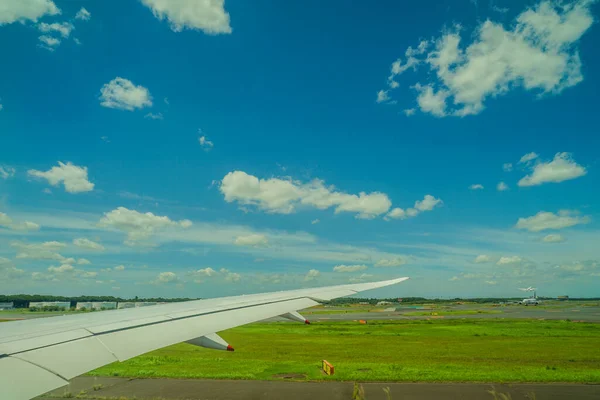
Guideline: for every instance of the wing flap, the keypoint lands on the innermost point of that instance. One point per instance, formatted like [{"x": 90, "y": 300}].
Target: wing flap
[
  {"x": 22, "y": 380},
  {"x": 71, "y": 359},
  {"x": 129, "y": 343}
]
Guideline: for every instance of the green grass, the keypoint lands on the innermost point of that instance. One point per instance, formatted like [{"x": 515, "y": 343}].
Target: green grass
[{"x": 405, "y": 350}]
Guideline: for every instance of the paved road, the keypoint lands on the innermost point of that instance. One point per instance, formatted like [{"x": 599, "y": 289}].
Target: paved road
[{"x": 186, "y": 389}]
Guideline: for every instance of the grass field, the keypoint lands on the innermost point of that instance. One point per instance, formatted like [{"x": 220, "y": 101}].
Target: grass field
[{"x": 403, "y": 350}]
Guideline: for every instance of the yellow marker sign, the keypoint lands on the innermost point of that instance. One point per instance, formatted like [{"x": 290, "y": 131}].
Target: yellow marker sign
[{"x": 328, "y": 367}]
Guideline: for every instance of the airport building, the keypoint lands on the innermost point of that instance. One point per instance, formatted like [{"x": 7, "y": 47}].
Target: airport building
[
  {"x": 126, "y": 304},
  {"x": 65, "y": 305},
  {"x": 6, "y": 306},
  {"x": 96, "y": 305}
]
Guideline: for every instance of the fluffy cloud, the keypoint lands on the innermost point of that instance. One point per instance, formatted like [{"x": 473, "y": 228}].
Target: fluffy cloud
[
  {"x": 208, "y": 271},
  {"x": 83, "y": 14},
  {"x": 311, "y": 275},
  {"x": 315, "y": 221},
  {"x": 528, "y": 157},
  {"x": 547, "y": 220},
  {"x": 63, "y": 28},
  {"x": 208, "y": 16},
  {"x": 7, "y": 222},
  {"x": 410, "y": 111},
  {"x": 361, "y": 278},
  {"x": 8, "y": 271},
  {"x": 41, "y": 251},
  {"x": 392, "y": 262},
  {"x": 74, "y": 178},
  {"x": 476, "y": 186},
  {"x": 501, "y": 187},
  {"x": 509, "y": 260},
  {"x": 427, "y": 204},
  {"x": 539, "y": 53},
  {"x": 205, "y": 143},
  {"x": 561, "y": 168},
  {"x": 349, "y": 268},
  {"x": 138, "y": 226},
  {"x": 26, "y": 10},
  {"x": 283, "y": 196},
  {"x": 507, "y": 167},
  {"x": 230, "y": 276},
  {"x": 87, "y": 244},
  {"x": 482, "y": 258},
  {"x": 49, "y": 43},
  {"x": 122, "y": 94},
  {"x": 252, "y": 240},
  {"x": 6, "y": 171},
  {"x": 64, "y": 268},
  {"x": 83, "y": 261},
  {"x": 166, "y": 277},
  {"x": 120, "y": 268},
  {"x": 154, "y": 116},
  {"x": 382, "y": 96},
  {"x": 553, "y": 238}
]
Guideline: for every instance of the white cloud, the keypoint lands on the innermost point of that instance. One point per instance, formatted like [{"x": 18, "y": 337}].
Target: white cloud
[
  {"x": 205, "y": 143},
  {"x": 427, "y": 204},
  {"x": 431, "y": 101},
  {"x": 507, "y": 167},
  {"x": 120, "y": 268},
  {"x": 410, "y": 111},
  {"x": 208, "y": 271},
  {"x": 26, "y": 10},
  {"x": 476, "y": 186},
  {"x": 138, "y": 226},
  {"x": 283, "y": 196},
  {"x": 360, "y": 278},
  {"x": 501, "y": 187},
  {"x": 252, "y": 240},
  {"x": 315, "y": 221},
  {"x": 208, "y": 16},
  {"x": 392, "y": 262},
  {"x": 546, "y": 220},
  {"x": 64, "y": 268},
  {"x": 64, "y": 28},
  {"x": 7, "y": 222},
  {"x": 553, "y": 238},
  {"x": 122, "y": 94},
  {"x": 83, "y": 261},
  {"x": 528, "y": 157},
  {"x": 311, "y": 275},
  {"x": 482, "y": 258},
  {"x": 491, "y": 282},
  {"x": 6, "y": 172},
  {"x": 230, "y": 276},
  {"x": 83, "y": 14},
  {"x": 382, "y": 96},
  {"x": 166, "y": 277},
  {"x": 509, "y": 260},
  {"x": 87, "y": 244},
  {"x": 349, "y": 268},
  {"x": 561, "y": 168},
  {"x": 454, "y": 279},
  {"x": 74, "y": 178},
  {"x": 49, "y": 43},
  {"x": 154, "y": 116},
  {"x": 8, "y": 271},
  {"x": 41, "y": 251},
  {"x": 538, "y": 53}
]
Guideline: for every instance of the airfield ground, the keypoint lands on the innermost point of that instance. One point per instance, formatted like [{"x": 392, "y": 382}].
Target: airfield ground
[{"x": 417, "y": 351}]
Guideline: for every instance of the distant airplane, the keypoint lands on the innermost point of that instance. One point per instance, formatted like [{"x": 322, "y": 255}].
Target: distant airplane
[
  {"x": 528, "y": 289},
  {"x": 39, "y": 355}
]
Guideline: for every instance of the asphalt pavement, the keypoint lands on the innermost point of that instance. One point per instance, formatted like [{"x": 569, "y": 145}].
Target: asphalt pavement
[{"x": 188, "y": 389}]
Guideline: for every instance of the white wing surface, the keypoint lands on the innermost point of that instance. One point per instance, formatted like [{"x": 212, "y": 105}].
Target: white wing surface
[{"x": 39, "y": 355}]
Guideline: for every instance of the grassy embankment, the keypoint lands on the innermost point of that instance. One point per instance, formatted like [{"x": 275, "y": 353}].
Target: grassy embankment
[{"x": 407, "y": 350}]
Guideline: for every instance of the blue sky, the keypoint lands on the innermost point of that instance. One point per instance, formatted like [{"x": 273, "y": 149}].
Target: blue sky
[{"x": 162, "y": 148}]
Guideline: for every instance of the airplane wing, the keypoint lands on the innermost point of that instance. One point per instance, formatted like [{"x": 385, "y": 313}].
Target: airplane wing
[{"x": 39, "y": 355}]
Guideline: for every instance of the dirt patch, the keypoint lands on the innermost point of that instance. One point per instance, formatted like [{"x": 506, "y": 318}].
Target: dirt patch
[{"x": 290, "y": 376}]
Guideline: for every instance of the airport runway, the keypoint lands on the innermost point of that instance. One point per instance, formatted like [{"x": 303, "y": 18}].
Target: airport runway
[
  {"x": 188, "y": 389},
  {"x": 575, "y": 313}
]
